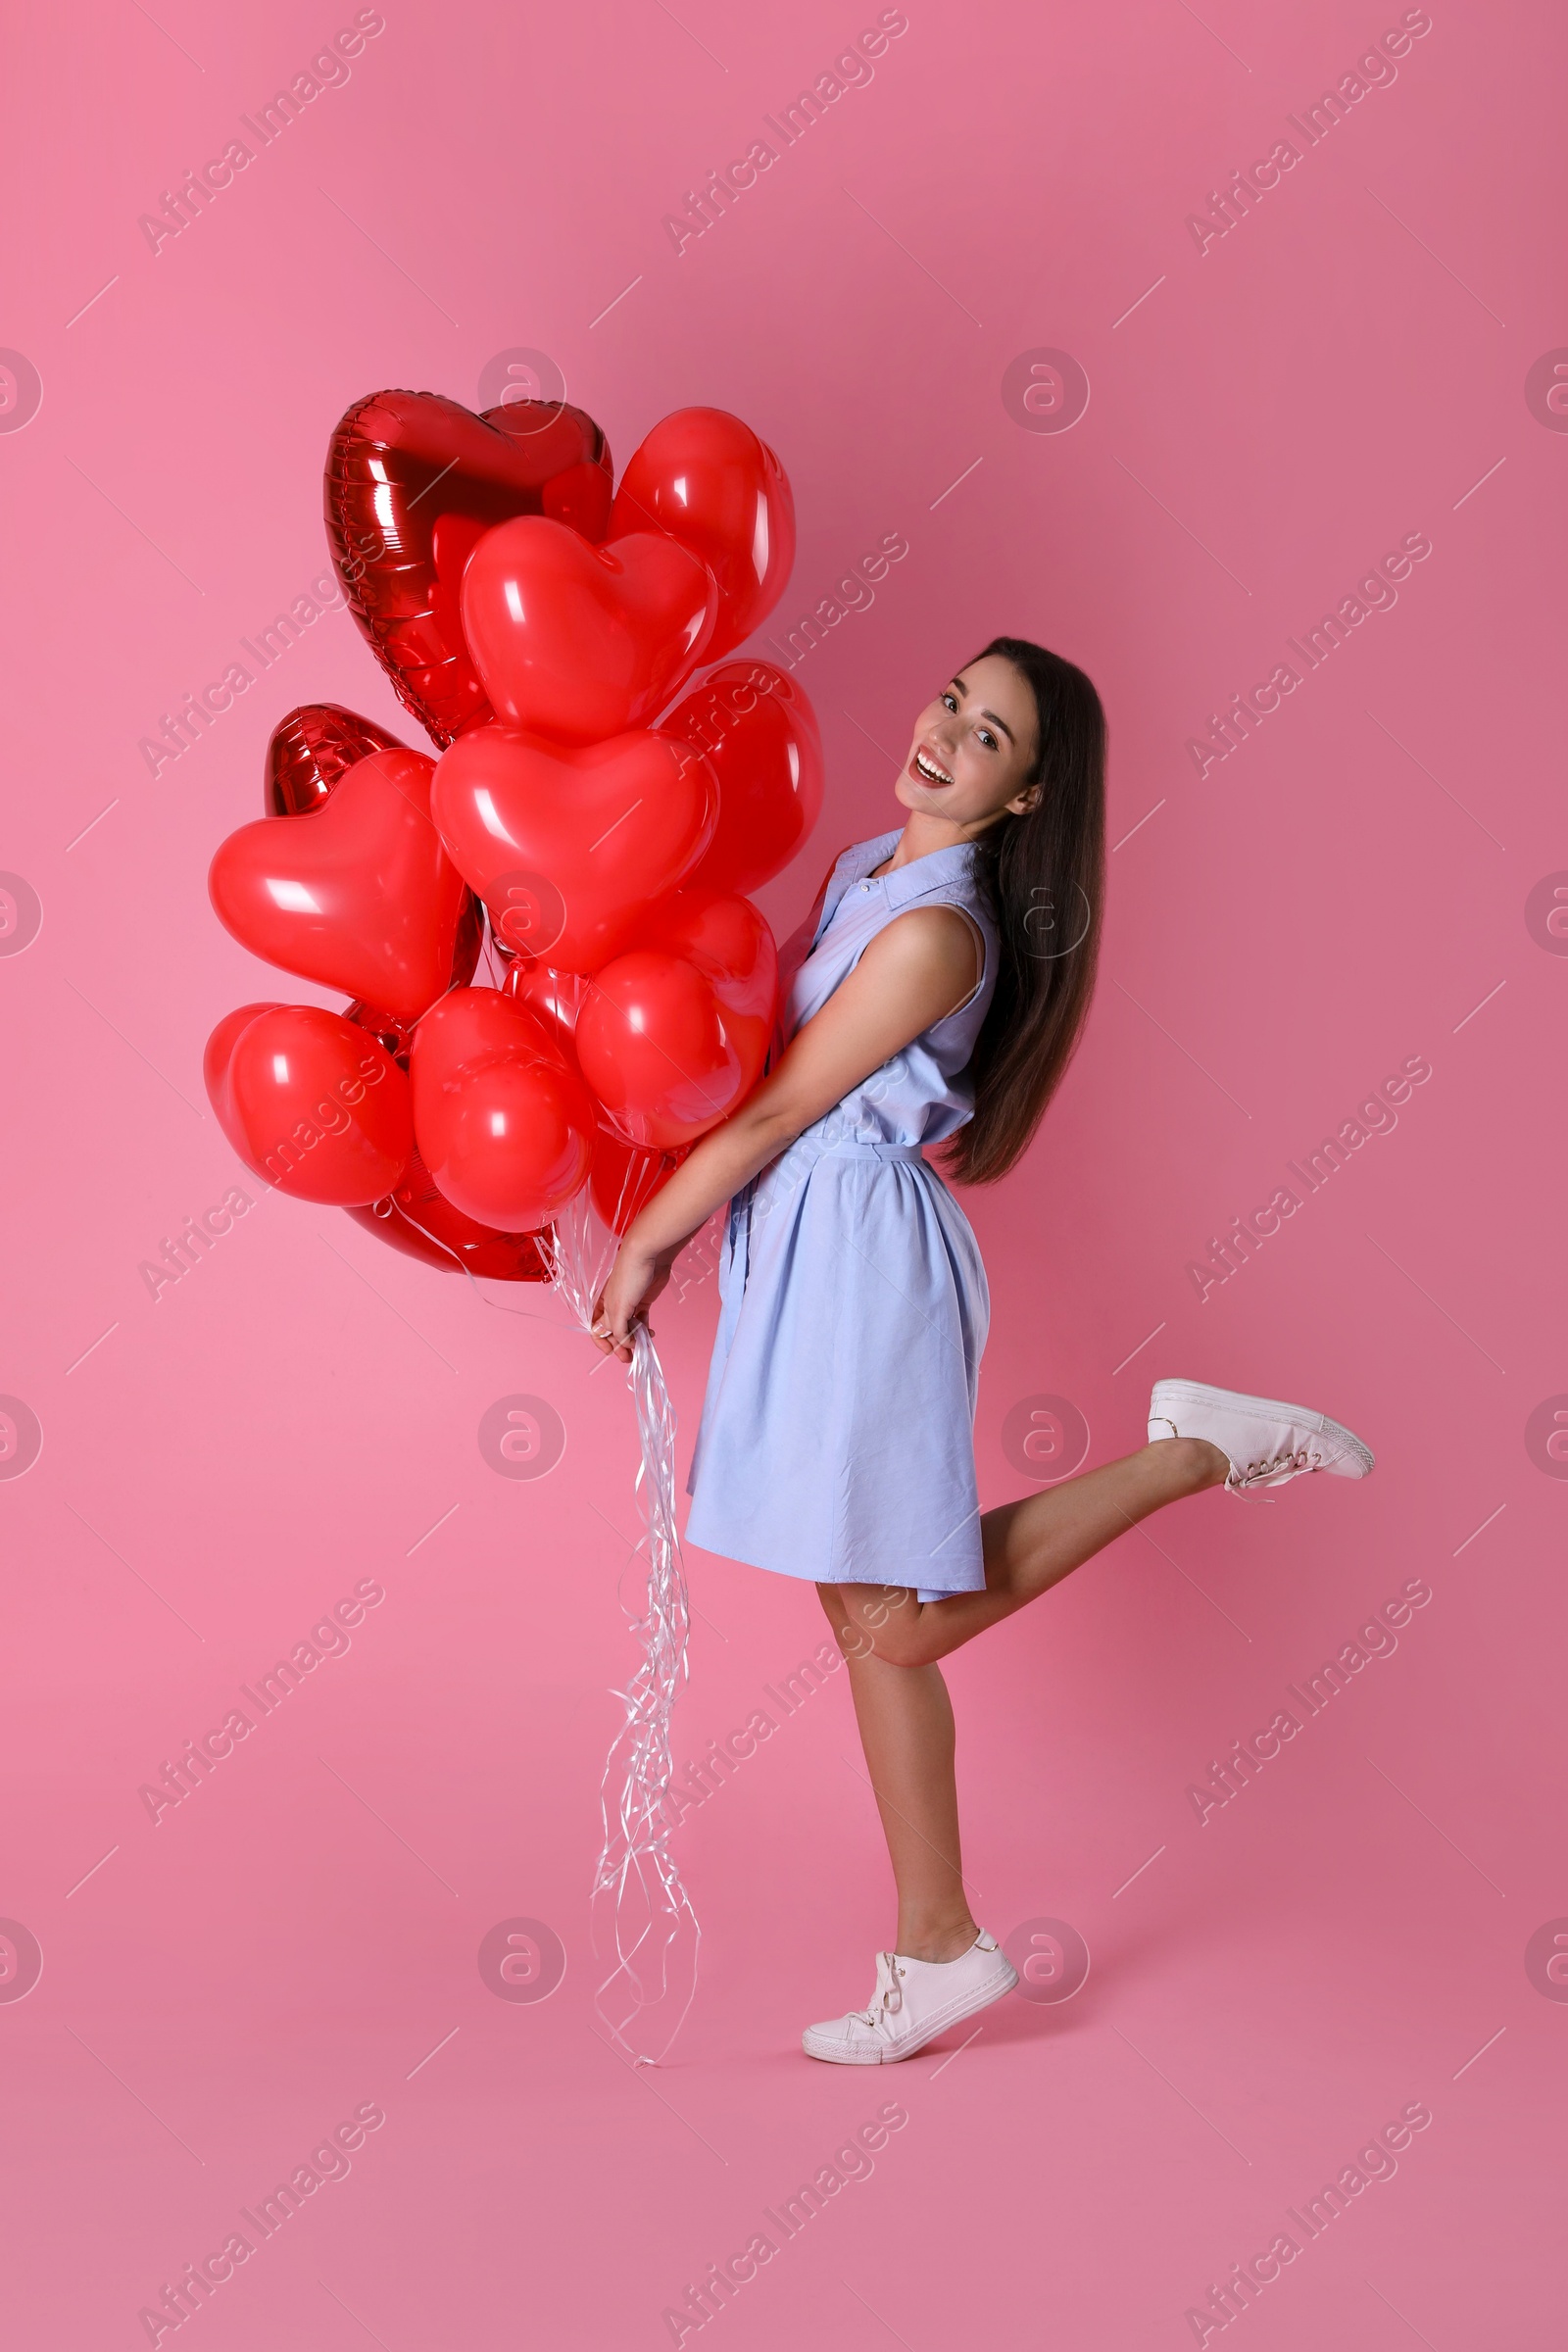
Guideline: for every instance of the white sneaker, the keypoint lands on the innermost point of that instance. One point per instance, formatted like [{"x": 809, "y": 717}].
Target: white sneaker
[
  {"x": 1265, "y": 1443},
  {"x": 914, "y": 2001}
]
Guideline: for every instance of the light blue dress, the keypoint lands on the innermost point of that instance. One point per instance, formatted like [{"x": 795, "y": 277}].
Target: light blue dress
[{"x": 837, "y": 1435}]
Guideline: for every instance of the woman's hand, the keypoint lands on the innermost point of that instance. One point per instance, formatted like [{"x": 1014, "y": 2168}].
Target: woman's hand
[{"x": 636, "y": 1279}]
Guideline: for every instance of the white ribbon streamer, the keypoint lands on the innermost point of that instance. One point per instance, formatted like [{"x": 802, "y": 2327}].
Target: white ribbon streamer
[{"x": 640, "y": 1913}]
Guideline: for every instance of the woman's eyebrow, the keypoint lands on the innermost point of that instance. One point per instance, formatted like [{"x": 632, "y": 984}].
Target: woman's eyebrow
[{"x": 991, "y": 714}]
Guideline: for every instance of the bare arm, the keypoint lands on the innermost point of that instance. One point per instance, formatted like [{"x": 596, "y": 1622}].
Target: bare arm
[{"x": 916, "y": 970}]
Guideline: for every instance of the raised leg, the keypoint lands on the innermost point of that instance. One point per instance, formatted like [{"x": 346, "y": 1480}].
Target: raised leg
[{"x": 1028, "y": 1546}]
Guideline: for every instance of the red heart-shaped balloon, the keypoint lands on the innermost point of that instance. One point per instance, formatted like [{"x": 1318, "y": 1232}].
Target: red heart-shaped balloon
[
  {"x": 674, "y": 1034},
  {"x": 704, "y": 477},
  {"x": 357, "y": 893},
  {"x": 579, "y": 642},
  {"x": 623, "y": 1179},
  {"x": 504, "y": 1125},
  {"x": 566, "y": 848},
  {"x": 309, "y": 1102},
  {"x": 418, "y": 1220},
  {"x": 554, "y": 998},
  {"x": 215, "y": 1068},
  {"x": 760, "y": 733},
  {"x": 413, "y": 480},
  {"x": 311, "y": 749}
]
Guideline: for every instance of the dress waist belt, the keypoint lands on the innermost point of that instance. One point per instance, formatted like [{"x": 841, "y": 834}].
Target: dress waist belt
[
  {"x": 857, "y": 1147},
  {"x": 738, "y": 1232}
]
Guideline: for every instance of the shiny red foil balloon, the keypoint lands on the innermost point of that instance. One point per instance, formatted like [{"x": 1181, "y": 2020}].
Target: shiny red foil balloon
[
  {"x": 395, "y": 1035},
  {"x": 311, "y": 749},
  {"x": 566, "y": 848},
  {"x": 676, "y": 1032},
  {"x": 357, "y": 893},
  {"x": 623, "y": 1178},
  {"x": 416, "y": 1219},
  {"x": 578, "y": 642},
  {"x": 704, "y": 477},
  {"x": 760, "y": 732},
  {"x": 310, "y": 1103},
  {"x": 412, "y": 481},
  {"x": 504, "y": 1124},
  {"x": 554, "y": 998}
]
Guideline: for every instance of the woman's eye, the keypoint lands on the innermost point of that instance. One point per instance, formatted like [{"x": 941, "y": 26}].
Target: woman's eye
[
  {"x": 950, "y": 700},
  {"x": 987, "y": 738}
]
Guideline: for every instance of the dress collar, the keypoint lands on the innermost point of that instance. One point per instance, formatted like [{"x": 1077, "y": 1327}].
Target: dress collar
[{"x": 919, "y": 877}]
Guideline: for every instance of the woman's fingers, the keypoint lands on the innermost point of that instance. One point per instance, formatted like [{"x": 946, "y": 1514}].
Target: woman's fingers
[
  {"x": 613, "y": 1341},
  {"x": 610, "y": 1330},
  {"x": 612, "y": 1326}
]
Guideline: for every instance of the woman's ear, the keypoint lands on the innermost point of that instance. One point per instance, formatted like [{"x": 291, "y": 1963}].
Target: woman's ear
[{"x": 1027, "y": 801}]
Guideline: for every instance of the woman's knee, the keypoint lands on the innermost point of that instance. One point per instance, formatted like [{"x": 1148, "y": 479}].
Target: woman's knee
[
  {"x": 905, "y": 1640},
  {"x": 841, "y": 1620},
  {"x": 882, "y": 1621}
]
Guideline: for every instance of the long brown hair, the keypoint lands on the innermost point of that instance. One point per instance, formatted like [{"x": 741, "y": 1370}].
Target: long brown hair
[{"x": 1045, "y": 876}]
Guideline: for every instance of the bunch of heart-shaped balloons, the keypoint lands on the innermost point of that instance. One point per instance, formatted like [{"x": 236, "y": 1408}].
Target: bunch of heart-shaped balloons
[{"x": 537, "y": 622}]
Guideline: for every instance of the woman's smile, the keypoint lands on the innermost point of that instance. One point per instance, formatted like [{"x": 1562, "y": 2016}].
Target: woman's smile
[{"x": 925, "y": 770}]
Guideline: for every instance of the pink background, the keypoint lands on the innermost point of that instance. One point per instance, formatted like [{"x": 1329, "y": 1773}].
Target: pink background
[{"x": 1266, "y": 418}]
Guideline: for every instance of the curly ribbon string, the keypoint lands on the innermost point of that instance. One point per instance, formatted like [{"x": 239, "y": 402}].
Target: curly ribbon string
[{"x": 642, "y": 1914}]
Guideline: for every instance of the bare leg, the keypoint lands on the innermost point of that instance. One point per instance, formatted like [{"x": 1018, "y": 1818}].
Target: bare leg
[
  {"x": 1028, "y": 1546},
  {"x": 906, "y": 1721},
  {"x": 892, "y": 1642}
]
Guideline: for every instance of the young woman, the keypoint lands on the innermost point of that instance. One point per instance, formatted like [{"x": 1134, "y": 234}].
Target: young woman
[{"x": 935, "y": 996}]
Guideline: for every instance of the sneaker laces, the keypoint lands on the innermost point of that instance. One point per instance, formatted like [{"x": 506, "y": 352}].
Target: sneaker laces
[
  {"x": 888, "y": 1999},
  {"x": 1258, "y": 1473}
]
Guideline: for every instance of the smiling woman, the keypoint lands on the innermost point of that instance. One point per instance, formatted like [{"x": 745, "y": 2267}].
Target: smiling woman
[{"x": 936, "y": 994}]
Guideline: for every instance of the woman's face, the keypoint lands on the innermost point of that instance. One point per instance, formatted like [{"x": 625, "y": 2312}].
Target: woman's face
[{"x": 972, "y": 749}]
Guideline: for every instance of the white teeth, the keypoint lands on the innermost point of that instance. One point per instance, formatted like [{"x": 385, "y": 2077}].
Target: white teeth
[{"x": 927, "y": 770}]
